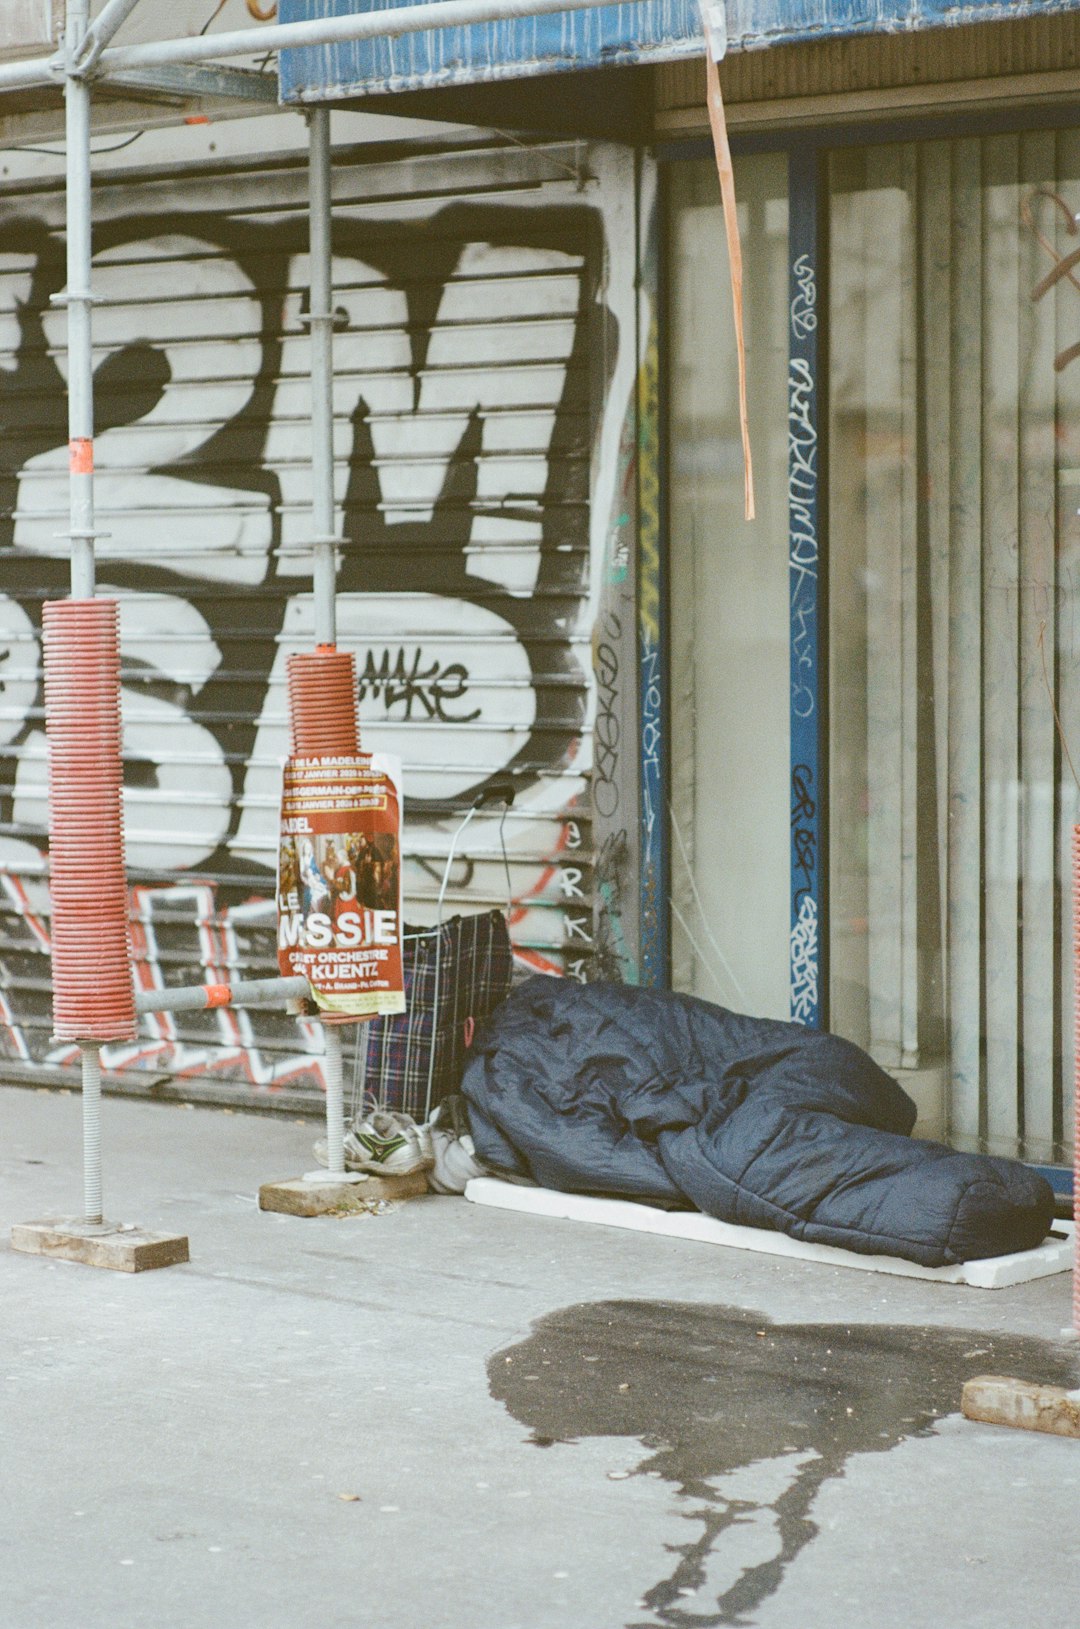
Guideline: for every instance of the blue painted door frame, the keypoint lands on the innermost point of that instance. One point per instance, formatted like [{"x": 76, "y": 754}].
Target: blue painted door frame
[
  {"x": 807, "y": 509},
  {"x": 807, "y": 608}
]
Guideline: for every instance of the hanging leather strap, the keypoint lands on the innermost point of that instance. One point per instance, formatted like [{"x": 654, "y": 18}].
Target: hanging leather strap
[{"x": 714, "y": 50}]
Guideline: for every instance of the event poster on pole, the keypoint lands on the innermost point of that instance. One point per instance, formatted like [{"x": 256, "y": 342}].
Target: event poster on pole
[{"x": 339, "y": 882}]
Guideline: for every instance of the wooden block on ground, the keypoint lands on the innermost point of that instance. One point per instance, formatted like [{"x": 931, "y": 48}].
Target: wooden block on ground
[
  {"x": 295, "y": 1197},
  {"x": 1000, "y": 1400},
  {"x": 123, "y": 1249}
]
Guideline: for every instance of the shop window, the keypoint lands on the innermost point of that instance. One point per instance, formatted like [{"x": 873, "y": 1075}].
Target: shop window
[
  {"x": 728, "y": 595},
  {"x": 954, "y": 572}
]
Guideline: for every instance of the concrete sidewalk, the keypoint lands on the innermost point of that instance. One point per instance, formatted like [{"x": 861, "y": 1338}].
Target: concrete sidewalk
[{"x": 537, "y": 1425}]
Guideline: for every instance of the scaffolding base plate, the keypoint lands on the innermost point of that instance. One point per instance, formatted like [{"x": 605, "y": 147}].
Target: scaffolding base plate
[
  {"x": 998, "y": 1399},
  {"x": 121, "y": 1248}
]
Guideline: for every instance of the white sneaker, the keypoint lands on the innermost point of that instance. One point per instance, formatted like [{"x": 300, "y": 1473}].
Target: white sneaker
[
  {"x": 456, "y": 1163},
  {"x": 388, "y": 1144}
]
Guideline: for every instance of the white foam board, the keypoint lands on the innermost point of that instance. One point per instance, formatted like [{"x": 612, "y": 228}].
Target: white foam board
[{"x": 994, "y": 1273}]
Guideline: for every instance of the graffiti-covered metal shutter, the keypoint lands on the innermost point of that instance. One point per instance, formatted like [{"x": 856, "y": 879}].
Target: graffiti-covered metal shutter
[{"x": 483, "y": 369}]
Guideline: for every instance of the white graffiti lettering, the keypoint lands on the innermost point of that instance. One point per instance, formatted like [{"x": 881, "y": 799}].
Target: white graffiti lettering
[
  {"x": 463, "y": 433},
  {"x": 804, "y": 962},
  {"x": 802, "y": 529},
  {"x": 803, "y": 313}
]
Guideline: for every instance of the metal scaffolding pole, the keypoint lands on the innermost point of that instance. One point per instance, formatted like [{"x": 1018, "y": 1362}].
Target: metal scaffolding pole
[
  {"x": 389, "y": 24},
  {"x": 205, "y": 997},
  {"x": 321, "y": 319},
  {"x": 334, "y": 1067},
  {"x": 97, "y": 36},
  {"x": 324, "y": 541},
  {"x": 77, "y": 298}
]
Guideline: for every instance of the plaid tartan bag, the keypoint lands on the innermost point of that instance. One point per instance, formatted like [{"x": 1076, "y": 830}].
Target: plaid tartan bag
[{"x": 455, "y": 975}]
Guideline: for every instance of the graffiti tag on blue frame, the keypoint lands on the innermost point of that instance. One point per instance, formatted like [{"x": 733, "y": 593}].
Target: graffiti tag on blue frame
[{"x": 804, "y": 559}]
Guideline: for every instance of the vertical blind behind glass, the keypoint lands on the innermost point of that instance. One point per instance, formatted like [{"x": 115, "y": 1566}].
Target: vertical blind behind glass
[{"x": 955, "y": 587}]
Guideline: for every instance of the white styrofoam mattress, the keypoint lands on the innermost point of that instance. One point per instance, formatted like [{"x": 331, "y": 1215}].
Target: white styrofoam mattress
[{"x": 1054, "y": 1255}]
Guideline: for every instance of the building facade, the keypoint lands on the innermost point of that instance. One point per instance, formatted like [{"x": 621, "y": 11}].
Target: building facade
[
  {"x": 481, "y": 396},
  {"x": 871, "y": 730},
  {"x": 807, "y": 766}
]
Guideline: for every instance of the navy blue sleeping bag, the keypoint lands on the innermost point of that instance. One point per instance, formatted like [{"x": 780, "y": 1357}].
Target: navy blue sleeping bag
[{"x": 606, "y": 1088}]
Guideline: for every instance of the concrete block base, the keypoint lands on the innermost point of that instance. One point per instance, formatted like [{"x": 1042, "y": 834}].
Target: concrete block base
[
  {"x": 295, "y": 1197},
  {"x": 999, "y": 1400},
  {"x": 122, "y": 1248}
]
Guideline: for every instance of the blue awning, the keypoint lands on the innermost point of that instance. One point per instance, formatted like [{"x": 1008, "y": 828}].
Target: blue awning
[{"x": 649, "y": 31}]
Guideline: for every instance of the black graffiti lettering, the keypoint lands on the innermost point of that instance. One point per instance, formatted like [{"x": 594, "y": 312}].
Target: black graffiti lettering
[
  {"x": 461, "y": 872},
  {"x": 246, "y": 623},
  {"x": 803, "y": 832},
  {"x": 410, "y": 684},
  {"x": 804, "y": 847},
  {"x": 802, "y": 803},
  {"x": 611, "y": 957},
  {"x": 607, "y": 731},
  {"x": 650, "y": 754},
  {"x": 612, "y": 858}
]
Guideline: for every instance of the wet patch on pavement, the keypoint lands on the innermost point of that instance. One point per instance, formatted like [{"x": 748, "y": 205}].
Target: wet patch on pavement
[{"x": 746, "y": 1418}]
